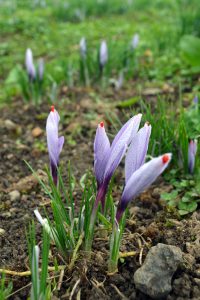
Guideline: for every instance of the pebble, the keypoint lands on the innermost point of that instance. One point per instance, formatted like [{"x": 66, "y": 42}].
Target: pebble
[
  {"x": 2, "y": 232},
  {"x": 36, "y": 132},
  {"x": 155, "y": 275},
  {"x": 14, "y": 195},
  {"x": 10, "y": 125}
]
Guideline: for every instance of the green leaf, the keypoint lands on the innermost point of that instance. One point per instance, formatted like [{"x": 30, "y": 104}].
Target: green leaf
[
  {"x": 190, "y": 47},
  {"x": 188, "y": 206},
  {"x": 127, "y": 103}
]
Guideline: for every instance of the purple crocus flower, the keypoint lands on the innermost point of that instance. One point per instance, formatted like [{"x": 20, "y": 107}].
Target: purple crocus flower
[
  {"x": 55, "y": 143},
  {"x": 196, "y": 100},
  {"x": 30, "y": 65},
  {"x": 41, "y": 69},
  {"x": 141, "y": 179},
  {"x": 107, "y": 157},
  {"x": 192, "y": 150},
  {"x": 135, "y": 41},
  {"x": 103, "y": 54},
  {"x": 83, "y": 48}
]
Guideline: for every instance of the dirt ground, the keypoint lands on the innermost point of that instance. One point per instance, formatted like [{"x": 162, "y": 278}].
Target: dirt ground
[{"x": 22, "y": 131}]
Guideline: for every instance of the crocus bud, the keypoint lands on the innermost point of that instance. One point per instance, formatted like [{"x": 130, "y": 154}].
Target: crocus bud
[
  {"x": 55, "y": 143},
  {"x": 135, "y": 41},
  {"x": 103, "y": 54},
  {"x": 30, "y": 65},
  {"x": 141, "y": 179},
  {"x": 192, "y": 150},
  {"x": 83, "y": 48},
  {"x": 41, "y": 69}
]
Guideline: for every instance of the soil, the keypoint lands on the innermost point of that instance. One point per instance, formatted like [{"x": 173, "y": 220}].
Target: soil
[{"x": 22, "y": 131}]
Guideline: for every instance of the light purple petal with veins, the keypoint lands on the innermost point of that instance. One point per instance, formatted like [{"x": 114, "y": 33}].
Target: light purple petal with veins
[
  {"x": 137, "y": 151},
  {"x": 128, "y": 131},
  {"x": 101, "y": 151},
  {"x": 120, "y": 144},
  {"x": 142, "y": 179},
  {"x": 192, "y": 150}
]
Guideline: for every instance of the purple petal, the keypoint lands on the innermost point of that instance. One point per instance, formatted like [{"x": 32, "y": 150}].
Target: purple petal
[
  {"x": 114, "y": 160},
  {"x": 128, "y": 130},
  {"x": 137, "y": 151},
  {"x": 192, "y": 150},
  {"x": 141, "y": 179},
  {"x": 101, "y": 152},
  {"x": 120, "y": 144},
  {"x": 60, "y": 143}
]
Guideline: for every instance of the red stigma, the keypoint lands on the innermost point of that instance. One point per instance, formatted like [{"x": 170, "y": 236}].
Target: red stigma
[
  {"x": 102, "y": 124},
  {"x": 165, "y": 158},
  {"x": 52, "y": 108}
]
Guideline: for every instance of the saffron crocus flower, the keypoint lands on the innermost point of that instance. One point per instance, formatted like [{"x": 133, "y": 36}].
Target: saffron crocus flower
[
  {"x": 192, "y": 150},
  {"x": 141, "y": 179},
  {"x": 41, "y": 69},
  {"x": 107, "y": 158},
  {"x": 30, "y": 65},
  {"x": 55, "y": 143},
  {"x": 83, "y": 48},
  {"x": 103, "y": 54},
  {"x": 135, "y": 41}
]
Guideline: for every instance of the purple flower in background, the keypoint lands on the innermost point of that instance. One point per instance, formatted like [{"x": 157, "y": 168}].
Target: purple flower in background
[
  {"x": 41, "y": 69},
  {"x": 83, "y": 48},
  {"x": 107, "y": 157},
  {"x": 141, "y": 179},
  {"x": 135, "y": 41},
  {"x": 196, "y": 100},
  {"x": 192, "y": 150},
  {"x": 30, "y": 65},
  {"x": 103, "y": 54},
  {"x": 54, "y": 143}
]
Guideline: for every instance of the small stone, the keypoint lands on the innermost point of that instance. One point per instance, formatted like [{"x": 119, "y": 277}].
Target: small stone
[
  {"x": 197, "y": 281},
  {"x": 36, "y": 132},
  {"x": 6, "y": 215},
  {"x": 154, "y": 277},
  {"x": 2, "y": 232},
  {"x": 10, "y": 125},
  {"x": 14, "y": 195},
  {"x": 197, "y": 273}
]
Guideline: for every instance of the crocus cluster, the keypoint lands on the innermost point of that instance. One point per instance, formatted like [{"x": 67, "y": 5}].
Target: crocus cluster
[
  {"x": 138, "y": 175},
  {"x": 192, "y": 150},
  {"x": 30, "y": 67},
  {"x": 55, "y": 143},
  {"x": 107, "y": 157}
]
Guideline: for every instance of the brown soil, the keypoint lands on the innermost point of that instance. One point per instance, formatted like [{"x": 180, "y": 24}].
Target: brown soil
[{"x": 150, "y": 221}]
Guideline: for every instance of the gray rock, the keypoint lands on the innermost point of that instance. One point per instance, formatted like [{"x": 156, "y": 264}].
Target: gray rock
[
  {"x": 14, "y": 195},
  {"x": 154, "y": 277}
]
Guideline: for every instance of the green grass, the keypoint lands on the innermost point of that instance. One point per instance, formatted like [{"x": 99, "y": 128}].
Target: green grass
[{"x": 56, "y": 38}]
